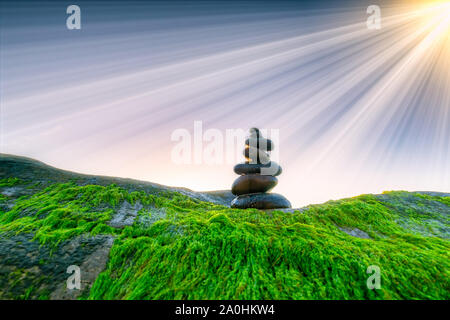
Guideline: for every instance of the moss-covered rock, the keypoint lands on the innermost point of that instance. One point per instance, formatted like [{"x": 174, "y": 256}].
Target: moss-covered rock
[{"x": 168, "y": 245}]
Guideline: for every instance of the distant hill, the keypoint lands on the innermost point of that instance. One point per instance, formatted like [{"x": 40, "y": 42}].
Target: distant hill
[
  {"x": 139, "y": 240},
  {"x": 39, "y": 172}
]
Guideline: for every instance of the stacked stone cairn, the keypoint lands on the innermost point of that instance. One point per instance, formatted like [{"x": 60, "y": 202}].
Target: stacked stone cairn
[{"x": 258, "y": 176}]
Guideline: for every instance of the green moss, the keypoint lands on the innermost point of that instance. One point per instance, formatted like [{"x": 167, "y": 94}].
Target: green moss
[
  {"x": 57, "y": 213},
  {"x": 44, "y": 296},
  {"x": 444, "y": 200},
  {"x": 198, "y": 250},
  {"x": 10, "y": 182},
  {"x": 27, "y": 294},
  {"x": 247, "y": 254}
]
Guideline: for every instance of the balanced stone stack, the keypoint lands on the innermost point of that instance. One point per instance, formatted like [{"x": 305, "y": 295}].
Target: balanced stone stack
[{"x": 258, "y": 176}]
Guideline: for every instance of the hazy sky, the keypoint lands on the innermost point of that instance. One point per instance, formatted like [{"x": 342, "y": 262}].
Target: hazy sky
[{"x": 358, "y": 110}]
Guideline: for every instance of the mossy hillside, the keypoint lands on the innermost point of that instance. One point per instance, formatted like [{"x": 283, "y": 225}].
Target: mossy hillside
[
  {"x": 199, "y": 250},
  {"x": 10, "y": 182},
  {"x": 419, "y": 212},
  {"x": 63, "y": 211},
  {"x": 247, "y": 254}
]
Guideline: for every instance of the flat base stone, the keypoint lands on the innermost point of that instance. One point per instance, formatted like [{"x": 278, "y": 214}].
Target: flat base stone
[{"x": 260, "y": 201}]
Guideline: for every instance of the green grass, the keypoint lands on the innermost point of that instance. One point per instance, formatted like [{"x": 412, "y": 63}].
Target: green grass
[{"x": 204, "y": 251}]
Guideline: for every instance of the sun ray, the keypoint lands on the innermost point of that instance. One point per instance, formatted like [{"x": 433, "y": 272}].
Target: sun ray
[{"x": 358, "y": 110}]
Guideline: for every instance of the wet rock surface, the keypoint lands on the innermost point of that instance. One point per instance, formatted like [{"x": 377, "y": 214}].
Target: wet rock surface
[
  {"x": 149, "y": 217},
  {"x": 125, "y": 215},
  {"x": 254, "y": 155},
  {"x": 261, "y": 143},
  {"x": 253, "y": 183},
  {"x": 436, "y": 213},
  {"x": 260, "y": 201},
  {"x": 248, "y": 168},
  {"x": 31, "y": 270},
  {"x": 355, "y": 232}
]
